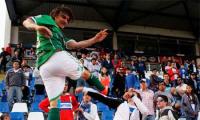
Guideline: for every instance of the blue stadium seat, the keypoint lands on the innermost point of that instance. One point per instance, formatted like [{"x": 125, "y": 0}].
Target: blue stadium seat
[
  {"x": 101, "y": 107},
  {"x": 4, "y": 107},
  {"x": 35, "y": 107},
  {"x": 38, "y": 98},
  {"x": 107, "y": 115},
  {"x": 32, "y": 84},
  {"x": 17, "y": 116}
]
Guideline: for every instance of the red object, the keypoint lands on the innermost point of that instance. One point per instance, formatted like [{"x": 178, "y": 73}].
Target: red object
[
  {"x": 8, "y": 50},
  {"x": 65, "y": 114},
  {"x": 105, "y": 81},
  {"x": 173, "y": 73}
]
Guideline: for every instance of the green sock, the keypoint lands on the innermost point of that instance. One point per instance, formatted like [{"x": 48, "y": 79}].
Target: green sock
[
  {"x": 54, "y": 114},
  {"x": 94, "y": 81}
]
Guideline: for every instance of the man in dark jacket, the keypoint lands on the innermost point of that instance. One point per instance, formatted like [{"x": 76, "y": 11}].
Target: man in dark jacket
[{"x": 15, "y": 82}]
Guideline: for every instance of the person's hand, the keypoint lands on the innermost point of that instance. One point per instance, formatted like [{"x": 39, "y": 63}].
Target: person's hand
[
  {"x": 78, "y": 90},
  {"x": 44, "y": 31},
  {"x": 100, "y": 36},
  {"x": 79, "y": 110}
]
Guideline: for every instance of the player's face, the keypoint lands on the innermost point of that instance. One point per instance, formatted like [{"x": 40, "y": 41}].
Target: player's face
[{"x": 62, "y": 20}]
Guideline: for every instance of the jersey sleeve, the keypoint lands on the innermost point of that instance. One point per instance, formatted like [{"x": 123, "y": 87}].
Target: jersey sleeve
[{"x": 43, "y": 20}]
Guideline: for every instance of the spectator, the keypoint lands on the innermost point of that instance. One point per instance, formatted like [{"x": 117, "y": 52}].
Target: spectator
[
  {"x": 67, "y": 105},
  {"x": 39, "y": 85},
  {"x": 83, "y": 57},
  {"x": 87, "y": 110},
  {"x": 94, "y": 67},
  {"x": 190, "y": 104},
  {"x": 173, "y": 74},
  {"x": 147, "y": 99},
  {"x": 181, "y": 86},
  {"x": 141, "y": 68},
  {"x": 154, "y": 80},
  {"x": 116, "y": 62},
  {"x": 167, "y": 67},
  {"x": 183, "y": 72},
  {"x": 16, "y": 57},
  {"x": 15, "y": 82},
  {"x": 8, "y": 49},
  {"x": 107, "y": 63},
  {"x": 131, "y": 80},
  {"x": 165, "y": 111},
  {"x": 119, "y": 84},
  {"x": 19, "y": 49},
  {"x": 162, "y": 91},
  {"x": 28, "y": 78},
  {"x": 4, "y": 57},
  {"x": 131, "y": 109},
  {"x": 167, "y": 82},
  {"x": 194, "y": 82},
  {"x": 5, "y": 116},
  {"x": 105, "y": 78},
  {"x": 192, "y": 67}
]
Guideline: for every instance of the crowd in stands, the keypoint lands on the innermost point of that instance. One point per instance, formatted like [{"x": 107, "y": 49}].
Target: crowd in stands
[{"x": 168, "y": 93}]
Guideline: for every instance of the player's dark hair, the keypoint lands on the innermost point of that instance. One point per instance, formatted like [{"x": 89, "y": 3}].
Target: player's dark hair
[{"x": 56, "y": 11}]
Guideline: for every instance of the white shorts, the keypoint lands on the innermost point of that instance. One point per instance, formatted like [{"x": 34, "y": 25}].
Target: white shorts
[{"x": 55, "y": 70}]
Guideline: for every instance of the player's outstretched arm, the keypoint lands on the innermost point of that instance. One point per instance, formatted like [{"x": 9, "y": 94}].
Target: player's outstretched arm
[
  {"x": 30, "y": 24},
  {"x": 100, "y": 36}
]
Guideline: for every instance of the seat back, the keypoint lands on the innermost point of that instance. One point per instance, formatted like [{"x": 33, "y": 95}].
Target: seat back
[
  {"x": 35, "y": 116},
  {"x": 101, "y": 107},
  {"x": 4, "y": 107},
  {"x": 35, "y": 107},
  {"x": 17, "y": 116},
  {"x": 39, "y": 98},
  {"x": 107, "y": 115},
  {"x": 20, "y": 107}
]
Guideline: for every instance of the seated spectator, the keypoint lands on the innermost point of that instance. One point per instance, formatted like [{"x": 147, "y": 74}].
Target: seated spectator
[
  {"x": 16, "y": 57},
  {"x": 190, "y": 104},
  {"x": 162, "y": 91},
  {"x": 167, "y": 82},
  {"x": 131, "y": 109},
  {"x": 167, "y": 67},
  {"x": 87, "y": 110},
  {"x": 183, "y": 72},
  {"x": 166, "y": 112},
  {"x": 107, "y": 63},
  {"x": 192, "y": 67},
  {"x": 94, "y": 67},
  {"x": 5, "y": 116},
  {"x": 154, "y": 80},
  {"x": 181, "y": 86}
]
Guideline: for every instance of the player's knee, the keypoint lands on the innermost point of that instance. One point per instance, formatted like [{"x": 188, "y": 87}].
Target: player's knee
[{"x": 54, "y": 103}]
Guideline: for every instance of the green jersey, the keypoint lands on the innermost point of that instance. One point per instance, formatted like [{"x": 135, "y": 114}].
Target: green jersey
[{"x": 46, "y": 47}]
